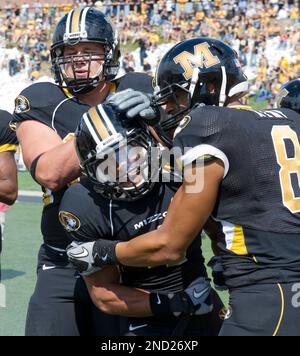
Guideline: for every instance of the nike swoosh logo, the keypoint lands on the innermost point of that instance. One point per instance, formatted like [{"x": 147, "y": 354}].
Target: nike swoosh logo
[
  {"x": 46, "y": 268},
  {"x": 198, "y": 295},
  {"x": 130, "y": 132},
  {"x": 82, "y": 254},
  {"x": 158, "y": 299},
  {"x": 104, "y": 259},
  {"x": 132, "y": 328}
]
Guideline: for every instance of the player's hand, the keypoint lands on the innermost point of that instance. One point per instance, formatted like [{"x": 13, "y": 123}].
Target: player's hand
[
  {"x": 137, "y": 105},
  {"x": 194, "y": 300},
  {"x": 217, "y": 273},
  {"x": 198, "y": 293},
  {"x": 81, "y": 256},
  {"x": 90, "y": 257}
]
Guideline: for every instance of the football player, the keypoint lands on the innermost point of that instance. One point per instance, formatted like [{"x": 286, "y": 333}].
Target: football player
[
  {"x": 123, "y": 206},
  {"x": 8, "y": 168},
  {"x": 85, "y": 60},
  {"x": 250, "y": 185}
]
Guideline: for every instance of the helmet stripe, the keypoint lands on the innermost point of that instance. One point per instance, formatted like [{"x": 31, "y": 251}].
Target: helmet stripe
[
  {"x": 83, "y": 18},
  {"x": 87, "y": 121},
  {"x": 107, "y": 120},
  {"x": 99, "y": 124},
  {"x": 75, "y": 21},
  {"x": 68, "y": 28}
]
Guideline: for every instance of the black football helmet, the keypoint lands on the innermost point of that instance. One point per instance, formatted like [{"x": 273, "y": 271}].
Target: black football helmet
[
  {"x": 117, "y": 157},
  {"x": 189, "y": 66},
  {"x": 289, "y": 96},
  {"x": 84, "y": 25}
]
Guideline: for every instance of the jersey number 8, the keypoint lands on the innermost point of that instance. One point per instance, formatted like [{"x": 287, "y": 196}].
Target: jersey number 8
[{"x": 289, "y": 166}]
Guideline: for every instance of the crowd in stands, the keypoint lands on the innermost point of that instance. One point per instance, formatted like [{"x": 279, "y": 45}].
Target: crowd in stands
[{"x": 247, "y": 25}]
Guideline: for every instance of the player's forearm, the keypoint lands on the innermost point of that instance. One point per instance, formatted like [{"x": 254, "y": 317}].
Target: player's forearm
[
  {"x": 167, "y": 245},
  {"x": 58, "y": 167},
  {"x": 8, "y": 178},
  {"x": 152, "y": 249},
  {"x": 115, "y": 299}
]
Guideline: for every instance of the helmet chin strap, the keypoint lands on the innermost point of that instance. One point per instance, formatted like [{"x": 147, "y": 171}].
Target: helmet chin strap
[{"x": 222, "y": 98}]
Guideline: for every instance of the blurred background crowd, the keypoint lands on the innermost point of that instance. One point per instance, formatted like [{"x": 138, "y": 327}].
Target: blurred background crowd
[{"x": 265, "y": 34}]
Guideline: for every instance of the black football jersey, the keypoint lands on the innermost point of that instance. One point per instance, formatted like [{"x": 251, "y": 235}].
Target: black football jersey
[
  {"x": 258, "y": 206},
  {"x": 8, "y": 138},
  {"x": 87, "y": 216},
  {"x": 61, "y": 111}
]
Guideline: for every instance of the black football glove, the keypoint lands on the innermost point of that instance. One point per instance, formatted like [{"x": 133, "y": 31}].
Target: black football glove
[
  {"x": 137, "y": 105},
  {"x": 198, "y": 296},
  {"x": 194, "y": 300},
  {"x": 217, "y": 273}
]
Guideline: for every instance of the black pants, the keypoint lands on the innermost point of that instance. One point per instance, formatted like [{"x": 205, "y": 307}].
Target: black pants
[
  {"x": 264, "y": 310},
  {"x": 60, "y": 304},
  {"x": 193, "y": 326}
]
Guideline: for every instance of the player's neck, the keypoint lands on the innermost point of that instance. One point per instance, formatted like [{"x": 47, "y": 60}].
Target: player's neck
[{"x": 96, "y": 96}]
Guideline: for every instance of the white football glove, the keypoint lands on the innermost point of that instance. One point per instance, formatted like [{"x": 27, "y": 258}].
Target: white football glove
[{"x": 81, "y": 256}]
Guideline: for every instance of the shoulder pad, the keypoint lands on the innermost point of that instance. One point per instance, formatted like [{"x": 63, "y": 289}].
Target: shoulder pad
[
  {"x": 82, "y": 213},
  {"x": 38, "y": 95},
  {"x": 38, "y": 102},
  {"x": 5, "y": 118},
  {"x": 202, "y": 121},
  {"x": 8, "y": 138}
]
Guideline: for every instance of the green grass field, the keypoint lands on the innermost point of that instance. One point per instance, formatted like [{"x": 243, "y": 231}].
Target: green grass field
[
  {"x": 26, "y": 182},
  {"x": 20, "y": 247}
]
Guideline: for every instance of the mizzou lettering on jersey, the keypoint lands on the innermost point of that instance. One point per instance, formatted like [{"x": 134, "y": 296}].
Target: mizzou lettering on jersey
[
  {"x": 150, "y": 220},
  {"x": 113, "y": 220}
]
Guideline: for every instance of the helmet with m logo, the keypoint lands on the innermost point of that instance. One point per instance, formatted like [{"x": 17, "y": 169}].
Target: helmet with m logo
[{"x": 194, "y": 66}]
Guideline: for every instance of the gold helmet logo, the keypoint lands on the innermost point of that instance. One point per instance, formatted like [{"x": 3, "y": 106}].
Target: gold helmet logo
[{"x": 202, "y": 58}]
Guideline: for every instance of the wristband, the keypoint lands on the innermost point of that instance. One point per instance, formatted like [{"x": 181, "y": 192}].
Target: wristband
[{"x": 104, "y": 253}]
